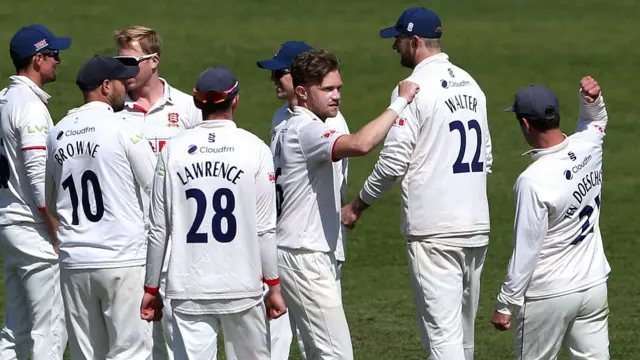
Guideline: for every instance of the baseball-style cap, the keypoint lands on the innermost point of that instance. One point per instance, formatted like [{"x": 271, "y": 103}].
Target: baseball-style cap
[
  {"x": 415, "y": 21},
  {"x": 216, "y": 85},
  {"x": 283, "y": 58},
  {"x": 33, "y": 39},
  {"x": 100, "y": 68},
  {"x": 535, "y": 102}
]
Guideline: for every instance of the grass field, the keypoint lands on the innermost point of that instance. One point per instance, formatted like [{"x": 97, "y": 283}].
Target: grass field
[{"x": 504, "y": 44}]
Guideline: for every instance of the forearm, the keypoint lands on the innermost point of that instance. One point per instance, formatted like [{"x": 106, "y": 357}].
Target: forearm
[
  {"x": 269, "y": 257},
  {"x": 156, "y": 250},
  {"x": 592, "y": 113},
  {"x": 370, "y": 135}
]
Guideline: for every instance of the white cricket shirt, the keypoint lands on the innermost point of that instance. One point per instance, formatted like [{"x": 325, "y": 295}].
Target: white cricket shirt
[
  {"x": 214, "y": 195},
  {"x": 341, "y": 167},
  {"x": 24, "y": 124},
  {"x": 172, "y": 113},
  {"x": 307, "y": 184},
  {"x": 557, "y": 242},
  {"x": 439, "y": 150},
  {"x": 97, "y": 171}
]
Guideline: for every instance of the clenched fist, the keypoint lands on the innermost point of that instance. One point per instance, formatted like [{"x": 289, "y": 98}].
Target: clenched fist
[
  {"x": 590, "y": 89},
  {"x": 408, "y": 90}
]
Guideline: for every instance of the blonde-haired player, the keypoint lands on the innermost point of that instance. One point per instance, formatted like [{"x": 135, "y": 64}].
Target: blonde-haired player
[{"x": 160, "y": 111}]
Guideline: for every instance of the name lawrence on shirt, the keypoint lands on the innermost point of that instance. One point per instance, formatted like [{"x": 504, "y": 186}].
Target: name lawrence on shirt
[{"x": 218, "y": 169}]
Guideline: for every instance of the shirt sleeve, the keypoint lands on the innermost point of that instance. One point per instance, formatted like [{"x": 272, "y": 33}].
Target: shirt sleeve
[
  {"x": 32, "y": 138},
  {"x": 488, "y": 147},
  {"x": 195, "y": 115},
  {"x": 530, "y": 230},
  {"x": 395, "y": 155},
  {"x": 266, "y": 214},
  {"x": 51, "y": 187},
  {"x": 157, "y": 238},
  {"x": 593, "y": 116},
  {"x": 317, "y": 141},
  {"x": 141, "y": 158}
]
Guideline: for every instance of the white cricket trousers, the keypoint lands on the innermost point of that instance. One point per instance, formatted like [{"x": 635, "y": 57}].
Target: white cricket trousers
[
  {"x": 577, "y": 321},
  {"x": 446, "y": 290},
  {"x": 103, "y": 313},
  {"x": 34, "y": 321},
  {"x": 312, "y": 294},
  {"x": 163, "y": 330},
  {"x": 246, "y": 335}
]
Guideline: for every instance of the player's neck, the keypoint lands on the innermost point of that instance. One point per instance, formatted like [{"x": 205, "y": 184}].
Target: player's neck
[
  {"x": 549, "y": 139},
  {"x": 293, "y": 102},
  {"x": 32, "y": 75},
  {"x": 149, "y": 94},
  {"x": 220, "y": 116}
]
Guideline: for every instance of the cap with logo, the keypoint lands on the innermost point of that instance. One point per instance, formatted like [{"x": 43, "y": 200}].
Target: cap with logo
[
  {"x": 535, "y": 102},
  {"x": 216, "y": 85},
  {"x": 33, "y": 39},
  {"x": 283, "y": 58},
  {"x": 100, "y": 68},
  {"x": 415, "y": 21}
]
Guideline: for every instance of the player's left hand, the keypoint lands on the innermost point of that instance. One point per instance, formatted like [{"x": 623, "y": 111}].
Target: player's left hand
[
  {"x": 501, "y": 321},
  {"x": 590, "y": 89},
  {"x": 274, "y": 303},
  {"x": 349, "y": 216},
  {"x": 151, "y": 307}
]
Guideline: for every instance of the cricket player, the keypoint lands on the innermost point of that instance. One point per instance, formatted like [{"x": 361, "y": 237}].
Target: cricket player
[
  {"x": 556, "y": 285},
  {"x": 97, "y": 169},
  {"x": 439, "y": 152},
  {"x": 214, "y": 194},
  {"x": 281, "y": 334},
  {"x": 160, "y": 111},
  {"x": 34, "y": 323},
  {"x": 309, "y": 222}
]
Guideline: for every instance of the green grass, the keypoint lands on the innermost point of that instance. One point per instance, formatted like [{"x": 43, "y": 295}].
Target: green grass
[{"x": 504, "y": 44}]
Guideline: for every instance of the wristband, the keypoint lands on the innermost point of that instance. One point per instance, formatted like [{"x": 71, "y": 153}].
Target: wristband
[
  {"x": 272, "y": 282},
  {"x": 151, "y": 290},
  {"x": 398, "y": 105}
]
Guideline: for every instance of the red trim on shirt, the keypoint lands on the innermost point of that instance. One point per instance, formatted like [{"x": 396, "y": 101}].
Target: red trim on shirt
[
  {"x": 42, "y": 208},
  {"x": 138, "y": 107},
  {"x": 272, "y": 282},
  {"x": 333, "y": 148},
  {"x": 34, "y": 148},
  {"x": 151, "y": 290}
]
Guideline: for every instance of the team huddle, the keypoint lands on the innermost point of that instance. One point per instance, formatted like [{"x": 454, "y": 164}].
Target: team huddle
[{"x": 146, "y": 220}]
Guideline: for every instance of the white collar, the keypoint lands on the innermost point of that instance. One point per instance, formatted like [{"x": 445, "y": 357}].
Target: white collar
[
  {"x": 92, "y": 105},
  {"x": 538, "y": 153},
  {"x": 23, "y": 80},
  {"x": 222, "y": 123},
  {"x": 430, "y": 60},
  {"x": 299, "y": 110}
]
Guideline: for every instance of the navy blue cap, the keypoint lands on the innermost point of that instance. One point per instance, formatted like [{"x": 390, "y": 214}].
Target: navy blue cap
[
  {"x": 536, "y": 102},
  {"x": 216, "y": 84},
  {"x": 100, "y": 68},
  {"x": 415, "y": 21},
  {"x": 283, "y": 58},
  {"x": 33, "y": 39}
]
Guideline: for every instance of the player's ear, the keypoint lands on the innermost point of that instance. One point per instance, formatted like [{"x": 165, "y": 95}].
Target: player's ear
[
  {"x": 106, "y": 88},
  {"x": 234, "y": 102},
  {"x": 155, "y": 61},
  {"x": 301, "y": 92}
]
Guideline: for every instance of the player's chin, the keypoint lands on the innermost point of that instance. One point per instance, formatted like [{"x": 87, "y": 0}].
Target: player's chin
[{"x": 332, "y": 110}]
